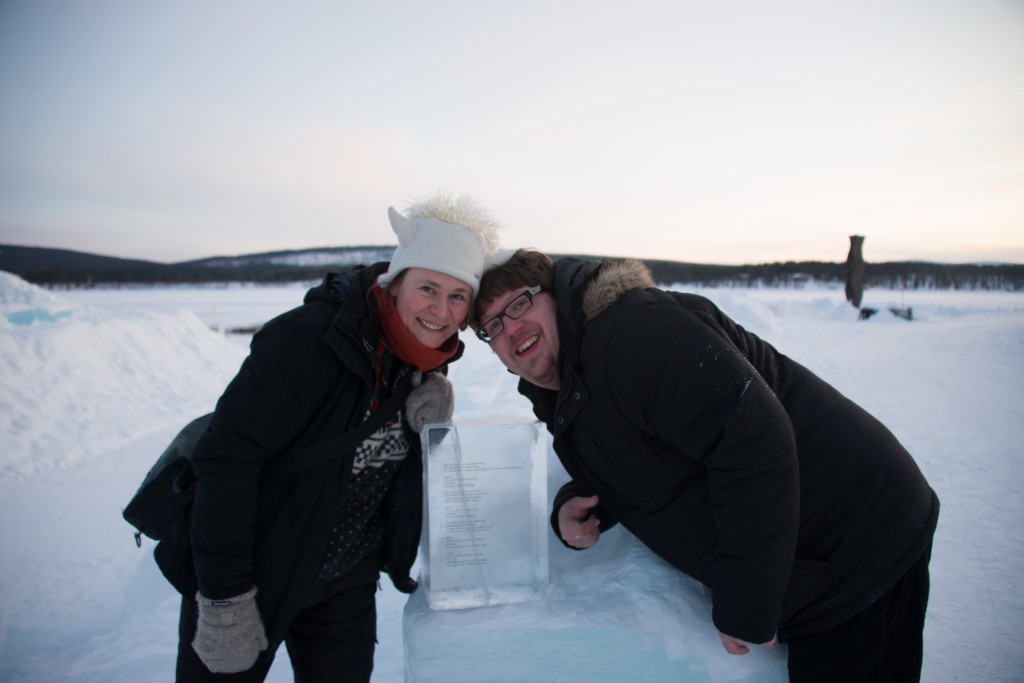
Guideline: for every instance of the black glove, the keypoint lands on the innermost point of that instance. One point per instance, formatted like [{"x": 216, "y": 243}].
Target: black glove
[{"x": 405, "y": 584}]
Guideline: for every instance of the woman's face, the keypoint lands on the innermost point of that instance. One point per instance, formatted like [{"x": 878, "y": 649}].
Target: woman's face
[{"x": 432, "y": 305}]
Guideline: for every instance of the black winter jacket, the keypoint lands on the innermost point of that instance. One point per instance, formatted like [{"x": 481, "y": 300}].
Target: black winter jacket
[
  {"x": 731, "y": 461},
  {"x": 308, "y": 378}
]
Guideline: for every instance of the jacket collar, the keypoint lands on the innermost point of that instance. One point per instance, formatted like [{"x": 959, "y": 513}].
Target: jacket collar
[{"x": 611, "y": 282}]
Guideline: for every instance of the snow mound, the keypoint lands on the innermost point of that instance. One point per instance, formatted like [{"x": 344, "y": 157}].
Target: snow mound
[
  {"x": 23, "y": 304},
  {"x": 80, "y": 381}
]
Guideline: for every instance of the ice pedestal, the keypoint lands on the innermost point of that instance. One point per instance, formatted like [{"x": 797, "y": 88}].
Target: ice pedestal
[
  {"x": 613, "y": 613},
  {"x": 485, "y": 510}
]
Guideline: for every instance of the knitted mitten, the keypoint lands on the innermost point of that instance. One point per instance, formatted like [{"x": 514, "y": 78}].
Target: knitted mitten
[
  {"x": 432, "y": 400},
  {"x": 229, "y": 635}
]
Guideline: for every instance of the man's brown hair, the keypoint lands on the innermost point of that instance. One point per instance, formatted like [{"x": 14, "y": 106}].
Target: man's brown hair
[{"x": 525, "y": 269}]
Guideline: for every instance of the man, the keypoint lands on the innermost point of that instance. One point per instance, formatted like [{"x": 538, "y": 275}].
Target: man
[{"x": 805, "y": 516}]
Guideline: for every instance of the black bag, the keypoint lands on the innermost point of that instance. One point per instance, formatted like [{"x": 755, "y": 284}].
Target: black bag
[{"x": 169, "y": 487}]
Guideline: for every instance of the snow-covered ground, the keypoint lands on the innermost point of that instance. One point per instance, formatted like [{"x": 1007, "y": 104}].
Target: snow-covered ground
[{"x": 93, "y": 383}]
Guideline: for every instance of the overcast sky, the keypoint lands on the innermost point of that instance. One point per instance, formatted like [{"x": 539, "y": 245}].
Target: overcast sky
[{"x": 716, "y": 131}]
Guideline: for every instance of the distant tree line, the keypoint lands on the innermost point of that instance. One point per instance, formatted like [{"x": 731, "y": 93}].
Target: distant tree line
[
  {"x": 65, "y": 268},
  {"x": 888, "y": 275}
]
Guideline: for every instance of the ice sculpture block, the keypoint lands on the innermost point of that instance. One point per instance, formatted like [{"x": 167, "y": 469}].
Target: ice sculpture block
[
  {"x": 485, "y": 539},
  {"x": 615, "y": 612}
]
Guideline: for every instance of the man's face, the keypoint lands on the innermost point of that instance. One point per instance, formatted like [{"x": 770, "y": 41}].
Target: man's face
[{"x": 528, "y": 345}]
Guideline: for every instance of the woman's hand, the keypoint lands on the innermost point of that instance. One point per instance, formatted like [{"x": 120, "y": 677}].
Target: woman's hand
[{"x": 431, "y": 400}]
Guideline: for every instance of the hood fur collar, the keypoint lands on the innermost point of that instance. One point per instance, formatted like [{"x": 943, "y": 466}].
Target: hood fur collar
[{"x": 611, "y": 282}]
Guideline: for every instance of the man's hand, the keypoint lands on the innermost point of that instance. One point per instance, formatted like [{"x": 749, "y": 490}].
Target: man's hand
[
  {"x": 578, "y": 524},
  {"x": 735, "y": 646}
]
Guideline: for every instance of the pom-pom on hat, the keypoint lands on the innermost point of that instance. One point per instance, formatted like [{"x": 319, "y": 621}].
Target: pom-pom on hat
[{"x": 452, "y": 236}]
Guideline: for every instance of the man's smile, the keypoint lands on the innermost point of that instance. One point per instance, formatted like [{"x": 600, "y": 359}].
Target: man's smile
[{"x": 527, "y": 344}]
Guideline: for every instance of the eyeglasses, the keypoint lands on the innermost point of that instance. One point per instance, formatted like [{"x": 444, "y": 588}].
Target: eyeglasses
[{"x": 515, "y": 308}]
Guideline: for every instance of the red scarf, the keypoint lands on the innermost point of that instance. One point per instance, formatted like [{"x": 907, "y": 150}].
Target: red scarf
[{"x": 407, "y": 347}]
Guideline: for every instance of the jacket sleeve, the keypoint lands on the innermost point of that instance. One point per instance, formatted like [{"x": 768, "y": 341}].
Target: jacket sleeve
[
  {"x": 680, "y": 379},
  {"x": 270, "y": 401}
]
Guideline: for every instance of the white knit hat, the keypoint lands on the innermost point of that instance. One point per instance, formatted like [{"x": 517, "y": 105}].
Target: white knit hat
[{"x": 454, "y": 237}]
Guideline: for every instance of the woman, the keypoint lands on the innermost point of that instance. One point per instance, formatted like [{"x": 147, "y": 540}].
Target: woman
[{"x": 295, "y": 557}]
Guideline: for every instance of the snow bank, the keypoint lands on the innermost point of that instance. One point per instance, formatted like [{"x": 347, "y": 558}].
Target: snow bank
[{"x": 78, "y": 380}]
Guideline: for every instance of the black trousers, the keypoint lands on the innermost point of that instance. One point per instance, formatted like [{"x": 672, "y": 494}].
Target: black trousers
[
  {"x": 331, "y": 641},
  {"x": 882, "y": 644}
]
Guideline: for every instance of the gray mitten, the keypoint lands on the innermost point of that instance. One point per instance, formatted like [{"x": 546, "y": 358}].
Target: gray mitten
[
  {"x": 431, "y": 400},
  {"x": 229, "y": 635}
]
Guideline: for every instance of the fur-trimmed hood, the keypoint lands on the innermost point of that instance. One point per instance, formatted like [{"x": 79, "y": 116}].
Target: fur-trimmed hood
[{"x": 612, "y": 281}]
